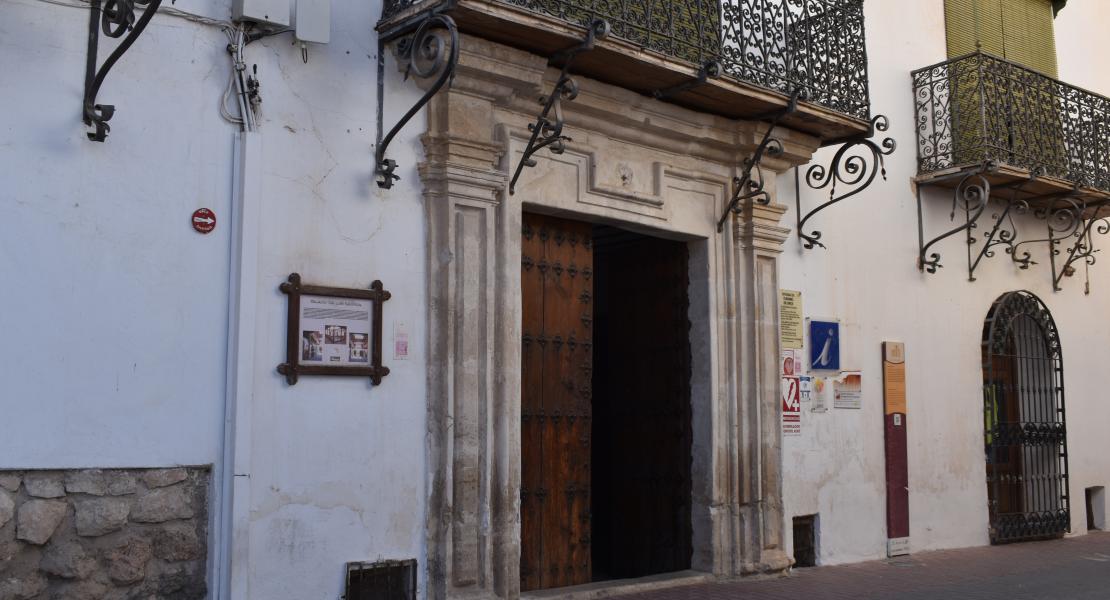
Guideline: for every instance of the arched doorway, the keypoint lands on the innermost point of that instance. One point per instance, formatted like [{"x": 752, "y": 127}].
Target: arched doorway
[{"x": 1024, "y": 432}]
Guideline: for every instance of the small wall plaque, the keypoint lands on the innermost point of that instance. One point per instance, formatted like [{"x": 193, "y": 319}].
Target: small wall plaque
[{"x": 333, "y": 331}]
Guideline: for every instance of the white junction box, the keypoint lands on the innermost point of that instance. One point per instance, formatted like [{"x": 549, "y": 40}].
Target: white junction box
[
  {"x": 312, "y": 21},
  {"x": 274, "y": 12}
]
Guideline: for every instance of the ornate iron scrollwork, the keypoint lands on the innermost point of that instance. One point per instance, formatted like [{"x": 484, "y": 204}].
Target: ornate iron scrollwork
[
  {"x": 746, "y": 187},
  {"x": 427, "y": 54},
  {"x": 972, "y": 196},
  {"x": 547, "y": 131},
  {"x": 855, "y": 171},
  {"x": 1083, "y": 249},
  {"x": 709, "y": 70},
  {"x": 782, "y": 45},
  {"x": 1003, "y": 233},
  {"x": 1071, "y": 221},
  {"x": 115, "y": 18}
]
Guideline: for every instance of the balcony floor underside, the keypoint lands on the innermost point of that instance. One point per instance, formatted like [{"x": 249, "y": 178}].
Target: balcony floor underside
[
  {"x": 1013, "y": 182},
  {"x": 618, "y": 62}
]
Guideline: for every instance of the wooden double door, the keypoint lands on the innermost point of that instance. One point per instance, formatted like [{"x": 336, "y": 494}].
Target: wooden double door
[{"x": 605, "y": 404}]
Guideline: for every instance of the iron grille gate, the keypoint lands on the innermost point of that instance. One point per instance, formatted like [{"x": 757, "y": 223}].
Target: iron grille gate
[{"x": 1023, "y": 404}]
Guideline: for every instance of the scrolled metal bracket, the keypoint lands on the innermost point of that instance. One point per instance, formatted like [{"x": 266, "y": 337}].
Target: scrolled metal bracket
[
  {"x": 1003, "y": 233},
  {"x": 427, "y": 54},
  {"x": 1083, "y": 249},
  {"x": 972, "y": 195},
  {"x": 115, "y": 18},
  {"x": 709, "y": 70},
  {"x": 547, "y": 131},
  {"x": 745, "y": 187},
  {"x": 855, "y": 171}
]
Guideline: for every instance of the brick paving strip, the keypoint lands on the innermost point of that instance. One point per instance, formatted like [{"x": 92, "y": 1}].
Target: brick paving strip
[{"x": 1068, "y": 569}]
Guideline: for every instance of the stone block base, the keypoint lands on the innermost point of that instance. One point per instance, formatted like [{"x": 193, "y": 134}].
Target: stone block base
[{"x": 104, "y": 534}]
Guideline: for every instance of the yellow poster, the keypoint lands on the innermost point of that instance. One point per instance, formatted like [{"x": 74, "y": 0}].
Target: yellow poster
[{"x": 790, "y": 319}]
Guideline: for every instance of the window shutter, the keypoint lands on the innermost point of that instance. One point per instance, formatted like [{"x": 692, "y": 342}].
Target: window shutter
[
  {"x": 1019, "y": 30},
  {"x": 970, "y": 23},
  {"x": 1029, "y": 35}
]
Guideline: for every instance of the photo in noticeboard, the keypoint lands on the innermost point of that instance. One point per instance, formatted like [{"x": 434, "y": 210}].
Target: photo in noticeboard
[
  {"x": 335, "y": 334},
  {"x": 312, "y": 346},
  {"x": 360, "y": 344}
]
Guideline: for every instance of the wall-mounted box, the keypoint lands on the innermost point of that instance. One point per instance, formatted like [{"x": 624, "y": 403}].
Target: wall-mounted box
[
  {"x": 273, "y": 12},
  {"x": 312, "y": 19}
]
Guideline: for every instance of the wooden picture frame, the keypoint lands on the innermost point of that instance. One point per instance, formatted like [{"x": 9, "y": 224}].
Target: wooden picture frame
[{"x": 330, "y": 331}]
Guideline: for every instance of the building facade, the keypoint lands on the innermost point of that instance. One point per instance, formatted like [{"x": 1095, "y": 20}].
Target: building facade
[{"x": 481, "y": 298}]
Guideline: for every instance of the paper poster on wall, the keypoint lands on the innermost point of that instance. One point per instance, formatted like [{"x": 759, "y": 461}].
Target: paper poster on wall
[
  {"x": 821, "y": 394},
  {"x": 791, "y": 406},
  {"x": 790, "y": 319},
  {"x": 334, "y": 331},
  {"x": 805, "y": 387},
  {"x": 849, "y": 390},
  {"x": 790, "y": 363},
  {"x": 824, "y": 345}
]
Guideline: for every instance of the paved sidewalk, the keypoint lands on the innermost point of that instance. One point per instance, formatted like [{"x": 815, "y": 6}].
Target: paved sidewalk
[{"x": 1069, "y": 569}]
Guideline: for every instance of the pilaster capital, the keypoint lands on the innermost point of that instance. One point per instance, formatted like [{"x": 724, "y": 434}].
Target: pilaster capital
[{"x": 758, "y": 227}]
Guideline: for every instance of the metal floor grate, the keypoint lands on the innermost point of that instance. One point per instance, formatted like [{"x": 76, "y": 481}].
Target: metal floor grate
[{"x": 385, "y": 580}]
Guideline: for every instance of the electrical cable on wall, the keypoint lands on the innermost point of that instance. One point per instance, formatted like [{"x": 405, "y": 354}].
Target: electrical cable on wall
[{"x": 244, "y": 85}]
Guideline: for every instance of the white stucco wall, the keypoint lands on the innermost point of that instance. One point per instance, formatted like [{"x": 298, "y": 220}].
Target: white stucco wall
[
  {"x": 337, "y": 466},
  {"x": 116, "y": 311},
  {"x": 868, "y": 279}
]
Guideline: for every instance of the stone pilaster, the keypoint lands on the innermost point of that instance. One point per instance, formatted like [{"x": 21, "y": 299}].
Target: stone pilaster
[
  {"x": 473, "y": 433},
  {"x": 759, "y": 241}
]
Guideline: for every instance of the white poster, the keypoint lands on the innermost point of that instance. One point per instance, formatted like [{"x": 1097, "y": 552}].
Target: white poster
[
  {"x": 821, "y": 394},
  {"x": 849, "y": 390},
  {"x": 335, "y": 331},
  {"x": 805, "y": 384}
]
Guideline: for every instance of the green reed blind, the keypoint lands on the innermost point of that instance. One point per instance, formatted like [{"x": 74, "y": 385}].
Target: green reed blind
[{"x": 1019, "y": 30}]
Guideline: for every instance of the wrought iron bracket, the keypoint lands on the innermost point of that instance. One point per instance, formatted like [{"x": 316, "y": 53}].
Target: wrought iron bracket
[
  {"x": 1083, "y": 249},
  {"x": 745, "y": 187},
  {"x": 427, "y": 54},
  {"x": 857, "y": 171},
  {"x": 709, "y": 70},
  {"x": 547, "y": 131},
  {"x": 972, "y": 195},
  {"x": 116, "y": 18},
  {"x": 1070, "y": 220}
]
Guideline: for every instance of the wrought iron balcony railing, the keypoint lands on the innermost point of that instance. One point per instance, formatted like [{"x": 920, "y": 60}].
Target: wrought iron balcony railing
[
  {"x": 980, "y": 109},
  {"x": 815, "y": 47}
]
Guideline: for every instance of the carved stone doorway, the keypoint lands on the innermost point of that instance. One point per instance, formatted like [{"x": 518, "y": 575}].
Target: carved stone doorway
[{"x": 643, "y": 166}]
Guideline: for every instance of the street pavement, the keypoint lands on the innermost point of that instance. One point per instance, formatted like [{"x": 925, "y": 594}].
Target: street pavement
[{"x": 1069, "y": 569}]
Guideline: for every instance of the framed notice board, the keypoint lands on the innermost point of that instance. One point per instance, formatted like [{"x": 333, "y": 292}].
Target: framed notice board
[{"x": 333, "y": 331}]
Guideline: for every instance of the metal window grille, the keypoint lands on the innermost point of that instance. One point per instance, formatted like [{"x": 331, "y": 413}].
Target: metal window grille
[
  {"x": 386, "y": 580},
  {"x": 1024, "y": 427}
]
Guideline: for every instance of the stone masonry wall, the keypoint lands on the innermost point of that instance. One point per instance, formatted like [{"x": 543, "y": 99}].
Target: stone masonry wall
[{"x": 112, "y": 534}]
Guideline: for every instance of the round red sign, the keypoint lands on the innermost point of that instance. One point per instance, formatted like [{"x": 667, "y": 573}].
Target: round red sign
[{"x": 204, "y": 220}]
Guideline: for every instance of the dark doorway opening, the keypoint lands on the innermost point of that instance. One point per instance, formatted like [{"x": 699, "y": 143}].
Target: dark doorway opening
[
  {"x": 641, "y": 431},
  {"x": 1096, "y": 508},
  {"x": 605, "y": 404},
  {"x": 805, "y": 541}
]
